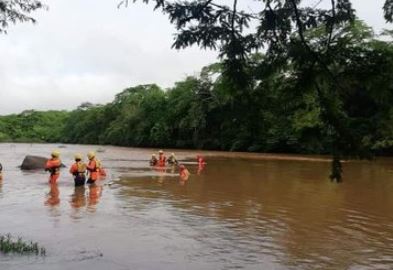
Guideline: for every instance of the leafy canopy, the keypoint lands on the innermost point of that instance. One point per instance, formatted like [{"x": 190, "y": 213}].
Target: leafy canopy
[
  {"x": 308, "y": 43},
  {"x": 13, "y": 11}
]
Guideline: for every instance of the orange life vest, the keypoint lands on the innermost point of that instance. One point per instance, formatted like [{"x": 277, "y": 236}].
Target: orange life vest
[
  {"x": 53, "y": 165},
  {"x": 93, "y": 169},
  {"x": 161, "y": 161},
  {"x": 78, "y": 168}
]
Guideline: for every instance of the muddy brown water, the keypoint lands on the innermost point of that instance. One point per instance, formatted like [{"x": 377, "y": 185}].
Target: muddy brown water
[{"x": 240, "y": 212}]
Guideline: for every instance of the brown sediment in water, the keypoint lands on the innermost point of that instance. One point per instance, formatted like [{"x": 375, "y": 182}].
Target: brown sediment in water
[{"x": 250, "y": 211}]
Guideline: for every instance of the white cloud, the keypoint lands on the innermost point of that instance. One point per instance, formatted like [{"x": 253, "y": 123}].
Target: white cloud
[{"x": 88, "y": 50}]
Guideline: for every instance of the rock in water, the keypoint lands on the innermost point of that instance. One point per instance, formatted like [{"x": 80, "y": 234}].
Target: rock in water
[{"x": 34, "y": 163}]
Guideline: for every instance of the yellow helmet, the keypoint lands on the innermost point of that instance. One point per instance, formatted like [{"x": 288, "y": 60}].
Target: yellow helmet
[
  {"x": 161, "y": 152},
  {"x": 78, "y": 156},
  {"x": 55, "y": 153},
  {"x": 91, "y": 155}
]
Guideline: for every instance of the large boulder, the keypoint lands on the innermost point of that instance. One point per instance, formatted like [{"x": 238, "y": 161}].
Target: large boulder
[{"x": 34, "y": 163}]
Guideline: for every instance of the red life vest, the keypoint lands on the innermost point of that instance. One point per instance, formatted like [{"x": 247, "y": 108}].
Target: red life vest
[{"x": 161, "y": 161}]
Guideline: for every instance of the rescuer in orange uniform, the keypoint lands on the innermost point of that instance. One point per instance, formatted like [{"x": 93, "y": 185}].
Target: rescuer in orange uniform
[
  {"x": 78, "y": 170},
  {"x": 201, "y": 164},
  {"x": 161, "y": 158},
  {"x": 201, "y": 160},
  {"x": 93, "y": 167},
  {"x": 153, "y": 161},
  {"x": 53, "y": 166}
]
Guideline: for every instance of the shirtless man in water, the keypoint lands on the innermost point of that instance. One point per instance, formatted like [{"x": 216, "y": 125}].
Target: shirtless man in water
[{"x": 183, "y": 173}]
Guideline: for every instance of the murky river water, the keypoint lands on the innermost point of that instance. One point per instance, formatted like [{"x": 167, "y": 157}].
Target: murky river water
[{"x": 239, "y": 212}]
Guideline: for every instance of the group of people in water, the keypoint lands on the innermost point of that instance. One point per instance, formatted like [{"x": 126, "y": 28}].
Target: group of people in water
[
  {"x": 93, "y": 169},
  {"x": 90, "y": 172},
  {"x": 161, "y": 162}
]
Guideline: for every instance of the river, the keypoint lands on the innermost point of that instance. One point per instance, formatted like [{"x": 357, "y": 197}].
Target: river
[{"x": 242, "y": 211}]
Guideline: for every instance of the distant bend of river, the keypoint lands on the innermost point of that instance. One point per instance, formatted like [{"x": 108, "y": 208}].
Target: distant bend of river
[{"x": 241, "y": 211}]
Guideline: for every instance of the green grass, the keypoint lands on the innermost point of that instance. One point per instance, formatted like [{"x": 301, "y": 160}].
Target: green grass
[{"x": 9, "y": 244}]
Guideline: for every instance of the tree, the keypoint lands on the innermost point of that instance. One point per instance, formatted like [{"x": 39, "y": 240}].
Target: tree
[
  {"x": 13, "y": 11},
  {"x": 388, "y": 10},
  {"x": 284, "y": 28}
]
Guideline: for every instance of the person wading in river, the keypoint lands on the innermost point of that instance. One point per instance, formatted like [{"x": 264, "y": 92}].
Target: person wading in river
[
  {"x": 200, "y": 160},
  {"x": 93, "y": 167},
  {"x": 161, "y": 158},
  {"x": 183, "y": 173},
  {"x": 1, "y": 172},
  {"x": 53, "y": 166},
  {"x": 78, "y": 170},
  {"x": 153, "y": 161},
  {"x": 172, "y": 159}
]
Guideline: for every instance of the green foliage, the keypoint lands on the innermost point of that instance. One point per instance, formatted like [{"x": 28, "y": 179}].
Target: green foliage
[
  {"x": 388, "y": 10},
  {"x": 10, "y": 245},
  {"x": 314, "y": 99},
  {"x": 13, "y": 11},
  {"x": 316, "y": 47},
  {"x": 281, "y": 111},
  {"x": 33, "y": 126}
]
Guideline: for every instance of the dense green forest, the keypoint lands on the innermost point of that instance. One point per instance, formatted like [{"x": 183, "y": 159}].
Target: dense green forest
[
  {"x": 292, "y": 77},
  {"x": 33, "y": 126},
  {"x": 278, "y": 114}
]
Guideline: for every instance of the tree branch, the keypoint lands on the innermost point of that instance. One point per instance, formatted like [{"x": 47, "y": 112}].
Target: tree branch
[
  {"x": 331, "y": 25},
  {"x": 233, "y": 17}
]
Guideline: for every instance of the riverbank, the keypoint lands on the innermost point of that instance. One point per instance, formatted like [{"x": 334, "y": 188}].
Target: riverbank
[{"x": 190, "y": 153}]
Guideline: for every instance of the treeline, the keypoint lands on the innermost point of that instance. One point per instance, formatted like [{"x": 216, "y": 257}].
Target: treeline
[
  {"x": 279, "y": 112},
  {"x": 33, "y": 126}
]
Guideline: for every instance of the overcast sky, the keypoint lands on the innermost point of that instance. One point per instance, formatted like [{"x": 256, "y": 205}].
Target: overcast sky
[{"x": 88, "y": 50}]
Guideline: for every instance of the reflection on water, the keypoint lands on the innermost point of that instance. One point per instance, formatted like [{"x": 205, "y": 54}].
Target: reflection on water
[
  {"x": 201, "y": 167},
  {"x": 85, "y": 198},
  {"x": 52, "y": 202},
  {"x": 95, "y": 192},
  {"x": 78, "y": 198},
  {"x": 53, "y": 196},
  {"x": 235, "y": 212}
]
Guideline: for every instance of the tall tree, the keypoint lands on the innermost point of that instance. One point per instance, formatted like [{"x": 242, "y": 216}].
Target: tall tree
[{"x": 283, "y": 28}]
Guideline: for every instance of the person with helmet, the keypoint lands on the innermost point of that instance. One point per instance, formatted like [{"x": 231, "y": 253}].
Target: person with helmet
[
  {"x": 153, "y": 161},
  {"x": 201, "y": 160},
  {"x": 93, "y": 167},
  {"x": 78, "y": 170},
  {"x": 53, "y": 166},
  {"x": 201, "y": 164},
  {"x": 161, "y": 158},
  {"x": 172, "y": 159}
]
